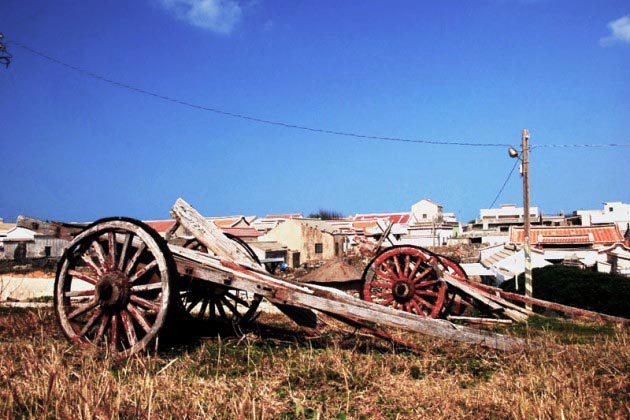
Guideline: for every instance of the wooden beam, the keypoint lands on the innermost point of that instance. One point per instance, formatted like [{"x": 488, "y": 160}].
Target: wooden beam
[
  {"x": 211, "y": 236},
  {"x": 495, "y": 303}
]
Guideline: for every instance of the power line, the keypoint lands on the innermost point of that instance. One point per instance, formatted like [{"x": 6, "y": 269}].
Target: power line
[
  {"x": 284, "y": 124},
  {"x": 504, "y": 184},
  {"x": 248, "y": 117}
]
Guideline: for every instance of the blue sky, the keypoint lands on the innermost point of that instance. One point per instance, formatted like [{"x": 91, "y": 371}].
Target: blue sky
[{"x": 77, "y": 148}]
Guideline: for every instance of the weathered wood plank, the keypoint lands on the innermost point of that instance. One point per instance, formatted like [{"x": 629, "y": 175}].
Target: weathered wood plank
[
  {"x": 495, "y": 303},
  {"x": 210, "y": 235}
]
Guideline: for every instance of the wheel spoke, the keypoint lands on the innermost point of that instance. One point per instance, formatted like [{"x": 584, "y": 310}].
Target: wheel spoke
[
  {"x": 130, "y": 332},
  {"x": 193, "y": 302},
  {"x": 387, "y": 301},
  {"x": 82, "y": 276},
  {"x": 101, "y": 329},
  {"x": 79, "y": 293},
  {"x": 389, "y": 270},
  {"x": 204, "y": 306},
  {"x": 397, "y": 265},
  {"x": 427, "y": 283},
  {"x": 83, "y": 309},
  {"x": 381, "y": 285},
  {"x": 231, "y": 307},
  {"x": 100, "y": 253},
  {"x": 222, "y": 313},
  {"x": 90, "y": 262},
  {"x": 143, "y": 271},
  {"x": 134, "y": 259},
  {"x": 139, "y": 317},
  {"x": 122, "y": 259},
  {"x": 416, "y": 307},
  {"x": 427, "y": 293},
  {"x": 423, "y": 302},
  {"x": 145, "y": 287},
  {"x": 147, "y": 304},
  {"x": 90, "y": 323},
  {"x": 238, "y": 300},
  {"x": 111, "y": 256},
  {"x": 406, "y": 269},
  {"x": 423, "y": 274},
  {"x": 385, "y": 275},
  {"x": 114, "y": 331}
]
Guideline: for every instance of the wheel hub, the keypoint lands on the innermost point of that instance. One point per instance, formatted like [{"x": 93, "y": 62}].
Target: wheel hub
[
  {"x": 403, "y": 291},
  {"x": 112, "y": 290}
]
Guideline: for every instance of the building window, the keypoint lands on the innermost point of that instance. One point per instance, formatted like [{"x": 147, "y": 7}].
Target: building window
[
  {"x": 319, "y": 248},
  {"x": 47, "y": 250}
]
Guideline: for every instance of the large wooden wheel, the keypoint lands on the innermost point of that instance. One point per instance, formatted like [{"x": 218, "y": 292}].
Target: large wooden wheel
[
  {"x": 113, "y": 286},
  {"x": 212, "y": 302},
  {"x": 405, "y": 278}
]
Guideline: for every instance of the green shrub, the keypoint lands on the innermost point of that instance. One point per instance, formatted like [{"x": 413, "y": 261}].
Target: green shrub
[{"x": 599, "y": 292}]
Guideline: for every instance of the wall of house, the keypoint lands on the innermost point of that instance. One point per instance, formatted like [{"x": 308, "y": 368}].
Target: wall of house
[
  {"x": 300, "y": 237},
  {"x": 425, "y": 210},
  {"x": 40, "y": 247}
]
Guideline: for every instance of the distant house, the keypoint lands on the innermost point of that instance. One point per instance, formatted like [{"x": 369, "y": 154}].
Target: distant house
[
  {"x": 598, "y": 248},
  {"x": 568, "y": 236},
  {"x": 493, "y": 225},
  {"x": 271, "y": 221},
  {"x": 314, "y": 240},
  {"x": 22, "y": 244},
  {"x": 4, "y": 229},
  {"x": 613, "y": 212},
  {"x": 426, "y": 210}
]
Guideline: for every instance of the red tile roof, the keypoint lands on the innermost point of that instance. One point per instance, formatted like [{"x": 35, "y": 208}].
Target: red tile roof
[
  {"x": 247, "y": 232},
  {"x": 392, "y": 217},
  {"x": 161, "y": 226},
  {"x": 597, "y": 235}
]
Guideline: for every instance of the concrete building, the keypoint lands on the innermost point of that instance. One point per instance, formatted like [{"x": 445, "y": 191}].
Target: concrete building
[{"x": 314, "y": 240}]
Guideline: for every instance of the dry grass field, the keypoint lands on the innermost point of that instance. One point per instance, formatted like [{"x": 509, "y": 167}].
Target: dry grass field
[{"x": 567, "y": 371}]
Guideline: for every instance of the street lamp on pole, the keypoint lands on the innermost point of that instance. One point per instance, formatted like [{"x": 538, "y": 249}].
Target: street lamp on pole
[{"x": 524, "y": 158}]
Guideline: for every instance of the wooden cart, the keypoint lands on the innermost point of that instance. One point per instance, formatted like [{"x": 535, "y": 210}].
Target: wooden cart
[{"x": 118, "y": 281}]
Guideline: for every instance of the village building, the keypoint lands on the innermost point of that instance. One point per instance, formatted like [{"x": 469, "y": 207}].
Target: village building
[
  {"x": 314, "y": 240},
  {"x": 613, "y": 212},
  {"x": 21, "y": 244}
]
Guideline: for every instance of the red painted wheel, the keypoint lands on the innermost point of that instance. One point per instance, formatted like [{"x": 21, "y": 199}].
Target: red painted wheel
[
  {"x": 405, "y": 278},
  {"x": 113, "y": 286}
]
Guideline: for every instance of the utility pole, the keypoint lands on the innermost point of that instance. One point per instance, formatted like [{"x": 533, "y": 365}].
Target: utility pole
[{"x": 528, "y": 249}]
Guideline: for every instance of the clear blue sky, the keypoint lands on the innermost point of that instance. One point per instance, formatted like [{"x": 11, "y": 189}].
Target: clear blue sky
[{"x": 76, "y": 148}]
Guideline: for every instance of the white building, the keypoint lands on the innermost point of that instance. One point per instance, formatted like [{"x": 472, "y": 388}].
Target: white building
[{"x": 613, "y": 212}]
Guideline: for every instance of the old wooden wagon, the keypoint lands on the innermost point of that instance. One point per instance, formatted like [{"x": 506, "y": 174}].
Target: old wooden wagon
[{"x": 118, "y": 282}]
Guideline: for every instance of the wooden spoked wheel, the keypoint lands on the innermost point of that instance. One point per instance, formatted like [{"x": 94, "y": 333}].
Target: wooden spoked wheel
[
  {"x": 211, "y": 302},
  {"x": 113, "y": 286},
  {"x": 405, "y": 278}
]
